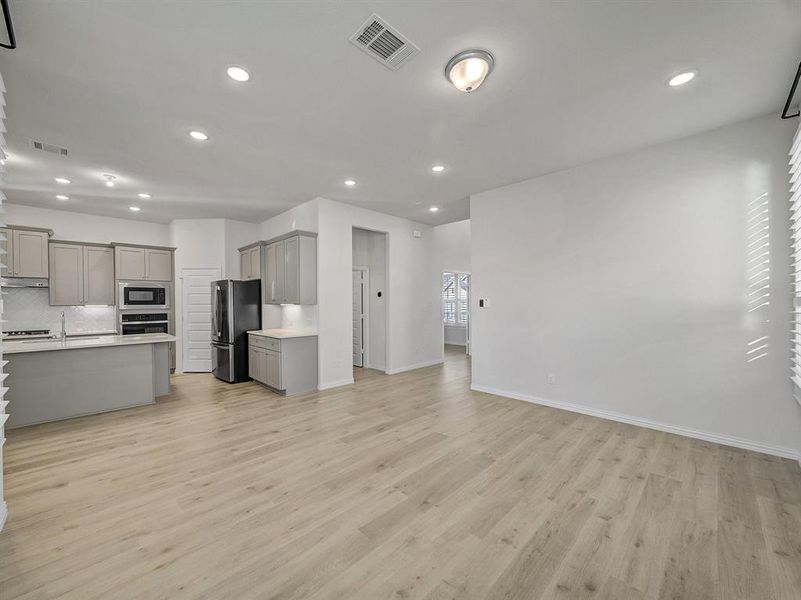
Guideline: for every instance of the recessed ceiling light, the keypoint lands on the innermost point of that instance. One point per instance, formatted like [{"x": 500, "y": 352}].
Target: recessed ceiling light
[
  {"x": 134, "y": 208},
  {"x": 63, "y": 180},
  {"x": 144, "y": 196},
  {"x": 682, "y": 78},
  {"x": 237, "y": 73},
  {"x": 468, "y": 70},
  {"x": 438, "y": 168},
  {"x": 433, "y": 208},
  {"x": 109, "y": 179},
  {"x": 62, "y": 197},
  {"x": 350, "y": 182},
  {"x": 199, "y": 136}
]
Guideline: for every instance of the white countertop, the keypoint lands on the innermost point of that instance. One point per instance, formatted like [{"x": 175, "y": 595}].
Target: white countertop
[
  {"x": 284, "y": 333},
  {"x": 22, "y": 346}
]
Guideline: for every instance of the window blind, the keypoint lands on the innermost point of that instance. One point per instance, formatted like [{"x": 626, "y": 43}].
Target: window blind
[
  {"x": 795, "y": 238},
  {"x": 3, "y": 388}
]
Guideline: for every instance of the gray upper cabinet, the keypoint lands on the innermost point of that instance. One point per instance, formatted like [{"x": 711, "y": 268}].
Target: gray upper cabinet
[
  {"x": 129, "y": 262},
  {"x": 81, "y": 274},
  {"x": 7, "y": 246},
  {"x": 26, "y": 252},
  {"x": 66, "y": 274},
  {"x": 250, "y": 262},
  {"x": 151, "y": 264},
  {"x": 98, "y": 280},
  {"x": 159, "y": 265},
  {"x": 290, "y": 270}
]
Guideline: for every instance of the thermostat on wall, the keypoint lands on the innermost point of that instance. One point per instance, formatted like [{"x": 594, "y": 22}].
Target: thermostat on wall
[{"x": 483, "y": 302}]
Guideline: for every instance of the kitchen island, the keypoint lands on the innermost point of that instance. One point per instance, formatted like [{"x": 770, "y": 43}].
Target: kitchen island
[{"x": 51, "y": 379}]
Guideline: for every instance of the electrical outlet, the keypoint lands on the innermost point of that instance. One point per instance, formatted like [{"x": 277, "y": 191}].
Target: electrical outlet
[{"x": 551, "y": 378}]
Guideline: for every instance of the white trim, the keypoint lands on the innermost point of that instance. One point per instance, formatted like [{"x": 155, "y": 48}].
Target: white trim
[
  {"x": 3, "y": 514},
  {"x": 707, "y": 436},
  {"x": 333, "y": 384},
  {"x": 422, "y": 365}
]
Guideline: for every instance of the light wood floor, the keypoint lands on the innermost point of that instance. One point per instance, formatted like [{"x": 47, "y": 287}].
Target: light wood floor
[{"x": 404, "y": 486}]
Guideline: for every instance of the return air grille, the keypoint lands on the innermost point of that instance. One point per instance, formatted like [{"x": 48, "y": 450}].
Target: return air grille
[
  {"x": 45, "y": 147},
  {"x": 384, "y": 43}
]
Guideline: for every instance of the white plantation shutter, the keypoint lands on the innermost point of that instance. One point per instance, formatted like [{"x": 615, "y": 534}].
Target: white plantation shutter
[
  {"x": 795, "y": 224},
  {"x": 455, "y": 296},
  {"x": 3, "y": 389}
]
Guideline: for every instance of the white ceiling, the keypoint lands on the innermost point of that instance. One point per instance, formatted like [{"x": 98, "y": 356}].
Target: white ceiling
[{"x": 121, "y": 83}]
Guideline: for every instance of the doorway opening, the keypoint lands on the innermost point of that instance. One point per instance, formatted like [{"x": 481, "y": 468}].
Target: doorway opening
[
  {"x": 456, "y": 310},
  {"x": 369, "y": 300}
]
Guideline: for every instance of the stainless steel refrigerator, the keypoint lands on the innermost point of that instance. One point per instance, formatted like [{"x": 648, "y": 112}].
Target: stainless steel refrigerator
[{"x": 235, "y": 310}]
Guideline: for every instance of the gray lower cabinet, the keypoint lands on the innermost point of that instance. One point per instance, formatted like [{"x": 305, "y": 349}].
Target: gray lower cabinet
[
  {"x": 81, "y": 274},
  {"x": 287, "y": 365},
  {"x": 289, "y": 271}
]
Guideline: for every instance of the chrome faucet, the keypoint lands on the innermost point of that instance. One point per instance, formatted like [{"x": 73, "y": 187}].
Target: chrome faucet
[{"x": 63, "y": 326}]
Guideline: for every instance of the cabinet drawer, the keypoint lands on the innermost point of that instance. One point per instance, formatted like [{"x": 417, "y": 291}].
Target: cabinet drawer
[{"x": 265, "y": 342}]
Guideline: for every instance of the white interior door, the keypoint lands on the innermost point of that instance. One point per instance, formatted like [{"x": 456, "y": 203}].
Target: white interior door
[
  {"x": 358, "y": 318},
  {"x": 196, "y": 317}
]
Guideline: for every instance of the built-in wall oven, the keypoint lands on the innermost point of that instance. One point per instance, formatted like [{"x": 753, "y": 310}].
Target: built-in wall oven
[
  {"x": 143, "y": 296},
  {"x": 139, "y": 323}
]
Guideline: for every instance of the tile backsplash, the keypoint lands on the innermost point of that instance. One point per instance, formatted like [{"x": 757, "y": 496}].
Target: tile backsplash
[{"x": 29, "y": 308}]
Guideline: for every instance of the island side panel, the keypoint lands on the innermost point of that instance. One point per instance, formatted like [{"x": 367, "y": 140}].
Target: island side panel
[
  {"x": 60, "y": 384},
  {"x": 161, "y": 369}
]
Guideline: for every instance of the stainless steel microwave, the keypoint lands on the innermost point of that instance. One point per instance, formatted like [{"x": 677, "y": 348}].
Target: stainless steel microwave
[{"x": 143, "y": 295}]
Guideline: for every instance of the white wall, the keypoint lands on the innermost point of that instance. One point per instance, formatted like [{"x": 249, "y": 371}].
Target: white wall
[
  {"x": 452, "y": 252},
  {"x": 627, "y": 279},
  {"x": 370, "y": 250},
  {"x": 81, "y": 227},
  {"x": 413, "y": 304}
]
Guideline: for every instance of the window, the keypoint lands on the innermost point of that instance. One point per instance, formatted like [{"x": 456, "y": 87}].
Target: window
[{"x": 455, "y": 298}]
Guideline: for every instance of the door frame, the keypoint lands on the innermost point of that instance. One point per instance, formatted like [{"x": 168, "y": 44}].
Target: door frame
[
  {"x": 182, "y": 313},
  {"x": 365, "y": 314}
]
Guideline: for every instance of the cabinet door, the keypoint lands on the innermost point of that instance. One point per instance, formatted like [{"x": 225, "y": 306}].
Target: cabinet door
[
  {"x": 255, "y": 263},
  {"x": 30, "y": 253},
  {"x": 159, "y": 265},
  {"x": 272, "y": 363},
  {"x": 253, "y": 365},
  {"x": 8, "y": 258},
  {"x": 307, "y": 270},
  {"x": 274, "y": 274},
  {"x": 129, "y": 262},
  {"x": 66, "y": 276},
  {"x": 244, "y": 265},
  {"x": 98, "y": 275},
  {"x": 292, "y": 272}
]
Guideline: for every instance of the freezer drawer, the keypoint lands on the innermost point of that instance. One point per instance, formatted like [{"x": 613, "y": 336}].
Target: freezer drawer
[{"x": 222, "y": 362}]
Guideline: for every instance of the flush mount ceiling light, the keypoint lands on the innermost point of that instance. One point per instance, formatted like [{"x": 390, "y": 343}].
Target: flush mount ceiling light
[
  {"x": 134, "y": 208},
  {"x": 438, "y": 168},
  {"x": 682, "y": 78},
  {"x": 63, "y": 180},
  {"x": 109, "y": 179},
  {"x": 144, "y": 196},
  {"x": 238, "y": 73},
  {"x": 62, "y": 197},
  {"x": 350, "y": 182},
  {"x": 468, "y": 70},
  {"x": 433, "y": 209},
  {"x": 199, "y": 136}
]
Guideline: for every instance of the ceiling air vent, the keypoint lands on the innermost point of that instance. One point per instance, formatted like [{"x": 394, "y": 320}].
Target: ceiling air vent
[
  {"x": 49, "y": 148},
  {"x": 384, "y": 43}
]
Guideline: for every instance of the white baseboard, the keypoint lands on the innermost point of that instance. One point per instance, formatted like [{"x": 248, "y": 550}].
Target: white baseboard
[
  {"x": 3, "y": 514},
  {"x": 422, "y": 365},
  {"x": 717, "y": 438},
  {"x": 333, "y": 384}
]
